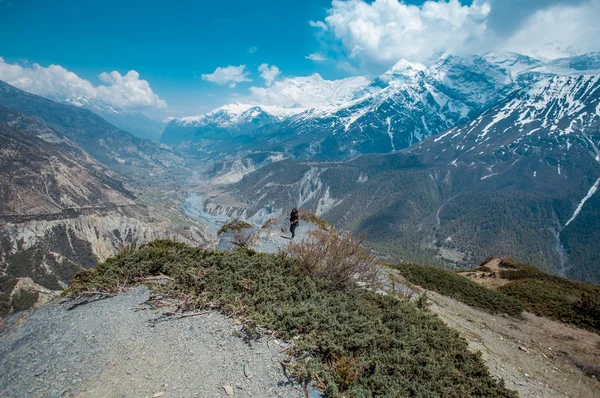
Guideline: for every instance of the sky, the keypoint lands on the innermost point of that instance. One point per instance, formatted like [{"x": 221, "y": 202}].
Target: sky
[{"x": 188, "y": 57}]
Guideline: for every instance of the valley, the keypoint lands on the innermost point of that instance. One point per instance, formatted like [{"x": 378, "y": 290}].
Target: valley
[
  {"x": 512, "y": 170},
  {"x": 512, "y": 181},
  {"x": 322, "y": 199}
]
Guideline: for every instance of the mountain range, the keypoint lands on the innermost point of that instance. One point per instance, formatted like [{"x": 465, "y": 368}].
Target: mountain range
[
  {"x": 446, "y": 163},
  {"x": 403, "y": 106},
  {"x": 518, "y": 179}
]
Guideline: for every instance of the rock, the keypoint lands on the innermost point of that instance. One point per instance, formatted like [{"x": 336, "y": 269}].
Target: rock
[
  {"x": 523, "y": 349},
  {"x": 158, "y": 394},
  {"x": 228, "y": 390}
]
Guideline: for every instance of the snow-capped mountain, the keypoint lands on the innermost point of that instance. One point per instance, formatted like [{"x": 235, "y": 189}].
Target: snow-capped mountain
[
  {"x": 521, "y": 180},
  {"x": 557, "y": 115},
  {"x": 403, "y": 106},
  {"x": 226, "y": 123}
]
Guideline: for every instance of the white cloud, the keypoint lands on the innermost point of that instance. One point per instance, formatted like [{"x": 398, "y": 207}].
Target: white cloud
[
  {"x": 231, "y": 75},
  {"x": 306, "y": 92},
  {"x": 54, "y": 81},
  {"x": 253, "y": 49},
  {"x": 318, "y": 24},
  {"x": 128, "y": 91},
  {"x": 379, "y": 33},
  {"x": 559, "y": 30},
  {"x": 385, "y": 31},
  {"x": 315, "y": 57},
  {"x": 269, "y": 73}
]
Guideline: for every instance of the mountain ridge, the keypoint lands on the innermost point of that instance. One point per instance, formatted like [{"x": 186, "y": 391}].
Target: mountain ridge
[
  {"x": 507, "y": 182},
  {"x": 403, "y": 106}
]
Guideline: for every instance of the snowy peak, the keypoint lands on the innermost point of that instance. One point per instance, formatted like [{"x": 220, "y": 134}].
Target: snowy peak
[
  {"x": 406, "y": 69},
  {"x": 554, "y": 115},
  {"x": 232, "y": 114},
  {"x": 514, "y": 63},
  {"x": 344, "y": 118}
]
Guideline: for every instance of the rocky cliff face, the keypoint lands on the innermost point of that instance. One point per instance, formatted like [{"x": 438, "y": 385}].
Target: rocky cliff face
[
  {"x": 50, "y": 250},
  {"x": 62, "y": 211}
]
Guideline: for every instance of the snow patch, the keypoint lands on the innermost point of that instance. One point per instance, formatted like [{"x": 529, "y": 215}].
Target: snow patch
[
  {"x": 590, "y": 193},
  {"x": 390, "y": 133}
]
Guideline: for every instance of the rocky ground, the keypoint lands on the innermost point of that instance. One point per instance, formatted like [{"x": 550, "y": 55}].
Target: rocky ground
[
  {"x": 112, "y": 348},
  {"x": 272, "y": 237}
]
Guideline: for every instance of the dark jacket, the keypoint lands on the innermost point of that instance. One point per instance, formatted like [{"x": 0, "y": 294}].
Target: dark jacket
[{"x": 294, "y": 217}]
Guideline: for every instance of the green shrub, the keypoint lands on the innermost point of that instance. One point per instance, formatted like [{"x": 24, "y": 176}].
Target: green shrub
[
  {"x": 357, "y": 344},
  {"x": 24, "y": 300},
  {"x": 551, "y": 296},
  {"x": 460, "y": 288},
  {"x": 234, "y": 225},
  {"x": 7, "y": 285}
]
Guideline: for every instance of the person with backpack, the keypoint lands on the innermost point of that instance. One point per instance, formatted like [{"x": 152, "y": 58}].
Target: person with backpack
[{"x": 294, "y": 221}]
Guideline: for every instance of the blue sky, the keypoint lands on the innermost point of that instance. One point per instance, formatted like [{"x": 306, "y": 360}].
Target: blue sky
[{"x": 171, "y": 45}]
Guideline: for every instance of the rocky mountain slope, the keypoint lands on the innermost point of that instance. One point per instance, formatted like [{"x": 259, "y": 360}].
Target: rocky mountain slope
[
  {"x": 60, "y": 209},
  {"x": 107, "y": 144},
  {"x": 96, "y": 341},
  {"x": 518, "y": 180},
  {"x": 132, "y": 121}
]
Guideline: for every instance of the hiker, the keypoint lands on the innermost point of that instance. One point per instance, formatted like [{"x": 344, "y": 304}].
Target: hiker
[{"x": 294, "y": 221}]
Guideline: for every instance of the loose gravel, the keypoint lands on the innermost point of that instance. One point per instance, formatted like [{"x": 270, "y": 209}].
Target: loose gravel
[{"x": 107, "y": 348}]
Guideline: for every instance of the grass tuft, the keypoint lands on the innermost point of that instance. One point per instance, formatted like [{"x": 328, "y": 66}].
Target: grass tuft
[{"x": 313, "y": 219}]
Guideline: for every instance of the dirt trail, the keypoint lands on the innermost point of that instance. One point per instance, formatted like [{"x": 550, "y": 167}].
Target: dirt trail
[{"x": 108, "y": 349}]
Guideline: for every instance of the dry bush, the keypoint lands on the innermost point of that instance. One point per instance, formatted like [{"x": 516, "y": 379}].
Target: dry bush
[
  {"x": 244, "y": 238},
  {"x": 346, "y": 370},
  {"x": 339, "y": 259}
]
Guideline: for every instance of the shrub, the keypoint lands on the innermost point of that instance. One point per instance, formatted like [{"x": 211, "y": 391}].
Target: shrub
[
  {"x": 7, "y": 285},
  {"x": 551, "y": 296},
  {"x": 24, "y": 300},
  {"x": 234, "y": 225},
  {"x": 338, "y": 259},
  {"x": 244, "y": 238},
  {"x": 357, "y": 344},
  {"x": 313, "y": 219},
  {"x": 460, "y": 288},
  {"x": 268, "y": 223}
]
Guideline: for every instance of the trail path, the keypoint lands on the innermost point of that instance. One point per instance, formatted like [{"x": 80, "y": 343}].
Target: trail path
[{"x": 108, "y": 349}]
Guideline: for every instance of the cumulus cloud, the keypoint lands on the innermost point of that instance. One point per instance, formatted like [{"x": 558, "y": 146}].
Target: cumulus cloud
[
  {"x": 315, "y": 57},
  {"x": 381, "y": 32},
  {"x": 269, "y": 73},
  {"x": 387, "y": 30},
  {"x": 125, "y": 91},
  {"x": 231, "y": 75}
]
